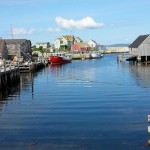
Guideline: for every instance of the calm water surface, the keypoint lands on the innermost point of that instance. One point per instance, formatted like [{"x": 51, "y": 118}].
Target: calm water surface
[{"x": 84, "y": 105}]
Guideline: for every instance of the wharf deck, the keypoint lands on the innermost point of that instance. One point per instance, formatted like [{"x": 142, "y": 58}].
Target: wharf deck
[
  {"x": 9, "y": 75},
  {"x": 81, "y": 56},
  {"x": 29, "y": 67},
  {"x": 8, "y": 69}
]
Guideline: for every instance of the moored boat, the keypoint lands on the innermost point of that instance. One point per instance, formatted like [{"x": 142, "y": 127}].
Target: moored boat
[
  {"x": 95, "y": 55},
  {"x": 59, "y": 58}
]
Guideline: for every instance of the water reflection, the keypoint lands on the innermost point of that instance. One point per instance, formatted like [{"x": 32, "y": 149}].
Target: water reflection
[
  {"x": 8, "y": 94},
  {"x": 26, "y": 79},
  {"x": 75, "y": 72},
  {"x": 105, "y": 113},
  {"x": 141, "y": 72},
  {"x": 55, "y": 68},
  {"x": 12, "y": 92},
  {"x": 9, "y": 90}
]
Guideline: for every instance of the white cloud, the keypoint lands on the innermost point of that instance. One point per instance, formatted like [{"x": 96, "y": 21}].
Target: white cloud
[
  {"x": 85, "y": 23},
  {"x": 17, "y": 31}
]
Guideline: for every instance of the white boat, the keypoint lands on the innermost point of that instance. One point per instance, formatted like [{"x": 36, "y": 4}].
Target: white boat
[{"x": 96, "y": 55}]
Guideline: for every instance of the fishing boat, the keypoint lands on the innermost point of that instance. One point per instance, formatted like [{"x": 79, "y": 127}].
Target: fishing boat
[
  {"x": 59, "y": 58},
  {"x": 96, "y": 55}
]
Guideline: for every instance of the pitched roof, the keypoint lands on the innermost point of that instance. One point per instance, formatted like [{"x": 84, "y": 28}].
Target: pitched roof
[
  {"x": 138, "y": 41},
  {"x": 77, "y": 38},
  {"x": 14, "y": 41},
  {"x": 83, "y": 44},
  {"x": 69, "y": 37},
  {"x": 93, "y": 41}
]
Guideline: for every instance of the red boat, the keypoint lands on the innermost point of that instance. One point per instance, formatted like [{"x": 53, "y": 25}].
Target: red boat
[{"x": 59, "y": 58}]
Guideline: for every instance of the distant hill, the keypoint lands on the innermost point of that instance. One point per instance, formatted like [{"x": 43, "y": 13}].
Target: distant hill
[{"x": 118, "y": 45}]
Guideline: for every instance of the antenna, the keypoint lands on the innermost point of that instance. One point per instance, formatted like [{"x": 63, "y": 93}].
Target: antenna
[{"x": 11, "y": 31}]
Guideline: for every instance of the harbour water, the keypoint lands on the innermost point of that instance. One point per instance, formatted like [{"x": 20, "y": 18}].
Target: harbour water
[{"x": 84, "y": 105}]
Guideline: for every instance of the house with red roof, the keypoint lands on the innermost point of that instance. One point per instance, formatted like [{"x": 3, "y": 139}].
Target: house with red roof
[{"x": 81, "y": 47}]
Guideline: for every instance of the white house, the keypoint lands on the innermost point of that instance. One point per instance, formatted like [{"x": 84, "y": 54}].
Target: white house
[
  {"x": 64, "y": 42},
  {"x": 42, "y": 44},
  {"x": 93, "y": 43},
  {"x": 78, "y": 40}
]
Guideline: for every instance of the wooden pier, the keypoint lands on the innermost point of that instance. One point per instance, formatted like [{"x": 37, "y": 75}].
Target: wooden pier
[
  {"x": 31, "y": 66},
  {"x": 122, "y": 57},
  {"x": 81, "y": 56},
  {"x": 9, "y": 74}
]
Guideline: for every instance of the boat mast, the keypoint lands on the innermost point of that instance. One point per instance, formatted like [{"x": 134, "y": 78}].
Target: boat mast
[{"x": 11, "y": 31}]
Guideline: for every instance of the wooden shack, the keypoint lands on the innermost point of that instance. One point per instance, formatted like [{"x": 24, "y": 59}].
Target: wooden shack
[
  {"x": 21, "y": 48},
  {"x": 3, "y": 50},
  {"x": 140, "y": 48}
]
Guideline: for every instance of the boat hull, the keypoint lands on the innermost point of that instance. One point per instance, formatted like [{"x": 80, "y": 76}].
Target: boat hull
[
  {"x": 95, "y": 56},
  {"x": 58, "y": 60}
]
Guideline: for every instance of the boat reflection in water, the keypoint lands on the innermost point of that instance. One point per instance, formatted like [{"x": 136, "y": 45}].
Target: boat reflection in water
[
  {"x": 75, "y": 73},
  {"x": 55, "y": 65}
]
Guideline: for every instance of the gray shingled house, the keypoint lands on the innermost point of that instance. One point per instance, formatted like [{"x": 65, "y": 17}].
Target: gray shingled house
[
  {"x": 3, "y": 50},
  {"x": 20, "y": 48},
  {"x": 141, "y": 48}
]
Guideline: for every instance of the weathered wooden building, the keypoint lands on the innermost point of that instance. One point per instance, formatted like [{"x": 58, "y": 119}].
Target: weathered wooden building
[
  {"x": 3, "y": 50},
  {"x": 19, "y": 47},
  {"x": 141, "y": 48}
]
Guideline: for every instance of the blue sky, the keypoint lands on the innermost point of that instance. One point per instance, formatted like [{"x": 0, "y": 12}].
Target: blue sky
[{"x": 105, "y": 21}]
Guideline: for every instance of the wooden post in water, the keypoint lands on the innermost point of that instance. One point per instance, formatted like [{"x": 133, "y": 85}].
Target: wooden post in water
[
  {"x": 148, "y": 141},
  {"x": 0, "y": 78}
]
